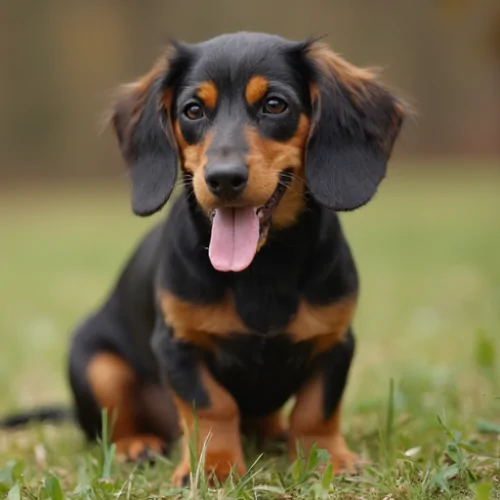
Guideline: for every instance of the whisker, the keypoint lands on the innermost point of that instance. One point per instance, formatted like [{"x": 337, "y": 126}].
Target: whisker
[
  {"x": 291, "y": 176},
  {"x": 301, "y": 182},
  {"x": 183, "y": 184},
  {"x": 289, "y": 188},
  {"x": 184, "y": 181}
]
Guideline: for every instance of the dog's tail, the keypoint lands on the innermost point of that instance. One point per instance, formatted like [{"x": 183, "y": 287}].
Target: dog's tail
[{"x": 54, "y": 414}]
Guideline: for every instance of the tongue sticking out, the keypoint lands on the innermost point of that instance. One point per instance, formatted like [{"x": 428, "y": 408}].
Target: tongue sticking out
[{"x": 235, "y": 235}]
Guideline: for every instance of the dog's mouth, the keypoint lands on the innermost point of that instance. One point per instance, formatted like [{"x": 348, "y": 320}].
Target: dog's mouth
[{"x": 239, "y": 232}]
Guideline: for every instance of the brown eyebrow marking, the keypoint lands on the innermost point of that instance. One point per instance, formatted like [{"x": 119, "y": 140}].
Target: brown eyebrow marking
[
  {"x": 256, "y": 89},
  {"x": 207, "y": 92}
]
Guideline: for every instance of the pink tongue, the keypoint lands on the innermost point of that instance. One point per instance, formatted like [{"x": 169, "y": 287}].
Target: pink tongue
[{"x": 235, "y": 235}]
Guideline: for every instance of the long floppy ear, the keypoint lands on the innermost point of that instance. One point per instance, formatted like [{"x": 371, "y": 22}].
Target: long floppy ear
[
  {"x": 354, "y": 125},
  {"x": 141, "y": 121}
]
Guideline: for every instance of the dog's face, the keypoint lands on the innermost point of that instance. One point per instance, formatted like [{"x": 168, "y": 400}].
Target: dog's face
[
  {"x": 257, "y": 122},
  {"x": 241, "y": 120}
]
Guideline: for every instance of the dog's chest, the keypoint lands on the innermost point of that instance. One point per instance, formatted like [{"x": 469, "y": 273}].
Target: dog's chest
[
  {"x": 266, "y": 309},
  {"x": 267, "y": 297},
  {"x": 260, "y": 372}
]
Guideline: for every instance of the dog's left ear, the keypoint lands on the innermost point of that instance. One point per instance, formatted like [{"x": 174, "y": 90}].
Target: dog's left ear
[{"x": 355, "y": 121}]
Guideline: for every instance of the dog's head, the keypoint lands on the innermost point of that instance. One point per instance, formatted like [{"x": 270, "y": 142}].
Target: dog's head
[{"x": 256, "y": 121}]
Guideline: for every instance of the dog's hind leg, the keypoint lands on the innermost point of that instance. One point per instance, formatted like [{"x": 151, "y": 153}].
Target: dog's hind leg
[{"x": 101, "y": 377}]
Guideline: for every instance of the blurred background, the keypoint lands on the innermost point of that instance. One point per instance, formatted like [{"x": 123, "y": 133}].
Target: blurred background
[
  {"x": 427, "y": 246},
  {"x": 63, "y": 58}
]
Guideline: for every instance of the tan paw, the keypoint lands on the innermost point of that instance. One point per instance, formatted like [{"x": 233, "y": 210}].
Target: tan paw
[
  {"x": 217, "y": 465},
  {"x": 221, "y": 464},
  {"x": 180, "y": 477},
  {"x": 139, "y": 447},
  {"x": 345, "y": 461}
]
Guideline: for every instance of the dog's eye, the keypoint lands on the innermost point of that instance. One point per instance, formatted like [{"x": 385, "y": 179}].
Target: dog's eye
[
  {"x": 275, "y": 106},
  {"x": 193, "y": 111}
]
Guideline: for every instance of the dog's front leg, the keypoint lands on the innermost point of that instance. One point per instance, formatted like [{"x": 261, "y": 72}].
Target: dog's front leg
[
  {"x": 208, "y": 413},
  {"x": 315, "y": 418}
]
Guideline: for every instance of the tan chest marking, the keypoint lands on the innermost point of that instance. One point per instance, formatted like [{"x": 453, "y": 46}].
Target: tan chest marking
[
  {"x": 326, "y": 325},
  {"x": 197, "y": 323}
]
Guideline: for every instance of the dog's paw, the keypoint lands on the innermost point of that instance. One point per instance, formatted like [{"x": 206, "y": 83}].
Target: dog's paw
[
  {"x": 345, "y": 461},
  {"x": 180, "y": 477},
  {"x": 217, "y": 466},
  {"x": 140, "y": 447}
]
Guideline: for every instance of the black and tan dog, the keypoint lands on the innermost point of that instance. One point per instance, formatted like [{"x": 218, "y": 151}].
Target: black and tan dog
[{"x": 244, "y": 297}]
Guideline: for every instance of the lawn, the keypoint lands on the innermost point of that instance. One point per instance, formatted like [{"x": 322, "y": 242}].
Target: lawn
[{"x": 423, "y": 403}]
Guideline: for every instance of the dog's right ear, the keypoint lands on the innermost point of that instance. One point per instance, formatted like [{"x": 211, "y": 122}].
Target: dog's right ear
[{"x": 141, "y": 120}]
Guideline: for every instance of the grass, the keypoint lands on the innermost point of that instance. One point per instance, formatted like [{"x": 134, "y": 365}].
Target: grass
[{"x": 423, "y": 403}]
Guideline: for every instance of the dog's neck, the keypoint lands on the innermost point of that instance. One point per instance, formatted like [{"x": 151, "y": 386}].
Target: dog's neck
[{"x": 268, "y": 292}]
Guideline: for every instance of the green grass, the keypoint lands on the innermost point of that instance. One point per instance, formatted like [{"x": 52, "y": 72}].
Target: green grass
[{"x": 423, "y": 400}]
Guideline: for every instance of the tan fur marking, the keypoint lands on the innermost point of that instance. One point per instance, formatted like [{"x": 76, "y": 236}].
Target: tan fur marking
[
  {"x": 266, "y": 160},
  {"x": 196, "y": 323},
  {"x": 114, "y": 385},
  {"x": 314, "y": 92},
  {"x": 207, "y": 92},
  {"x": 181, "y": 142},
  {"x": 136, "y": 447},
  {"x": 194, "y": 160},
  {"x": 220, "y": 422},
  {"x": 308, "y": 426},
  {"x": 256, "y": 89},
  {"x": 319, "y": 322}
]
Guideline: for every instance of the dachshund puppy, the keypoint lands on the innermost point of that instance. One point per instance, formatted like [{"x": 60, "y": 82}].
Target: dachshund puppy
[{"x": 245, "y": 295}]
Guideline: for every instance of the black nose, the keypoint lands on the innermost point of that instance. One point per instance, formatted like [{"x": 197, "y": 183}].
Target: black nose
[{"x": 226, "y": 181}]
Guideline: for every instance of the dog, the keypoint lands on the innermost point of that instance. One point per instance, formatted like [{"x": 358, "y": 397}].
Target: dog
[{"x": 244, "y": 296}]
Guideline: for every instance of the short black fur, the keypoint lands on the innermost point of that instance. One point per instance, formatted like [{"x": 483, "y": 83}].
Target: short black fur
[
  {"x": 334, "y": 367},
  {"x": 179, "y": 364}
]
